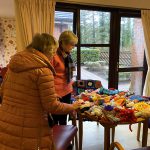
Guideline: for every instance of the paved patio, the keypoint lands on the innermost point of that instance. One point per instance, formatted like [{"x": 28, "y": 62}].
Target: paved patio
[{"x": 85, "y": 74}]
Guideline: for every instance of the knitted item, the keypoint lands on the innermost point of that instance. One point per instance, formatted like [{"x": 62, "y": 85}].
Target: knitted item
[
  {"x": 103, "y": 90},
  {"x": 138, "y": 97}
]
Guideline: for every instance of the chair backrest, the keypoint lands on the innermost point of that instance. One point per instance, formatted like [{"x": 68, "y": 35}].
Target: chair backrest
[
  {"x": 82, "y": 85},
  {"x": 116, "y": 145}
]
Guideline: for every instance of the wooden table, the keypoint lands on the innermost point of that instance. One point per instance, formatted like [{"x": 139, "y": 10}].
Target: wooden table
[{"x": 107, "y": 127}]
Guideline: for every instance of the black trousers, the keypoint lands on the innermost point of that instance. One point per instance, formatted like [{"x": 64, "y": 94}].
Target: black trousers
[{"x": 62, "y": 119}]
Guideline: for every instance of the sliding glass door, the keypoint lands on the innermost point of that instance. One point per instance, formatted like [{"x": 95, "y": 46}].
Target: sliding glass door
[
  {"x": 131, "y": 67},
  {"x": 110, "y": 46}
]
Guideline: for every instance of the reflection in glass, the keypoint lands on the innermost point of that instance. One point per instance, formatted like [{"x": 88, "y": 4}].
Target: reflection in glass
[{"x": 63, "y": 21}]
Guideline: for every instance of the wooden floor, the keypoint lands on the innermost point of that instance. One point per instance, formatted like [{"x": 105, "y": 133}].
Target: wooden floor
[{"x": 93, "y": 136}]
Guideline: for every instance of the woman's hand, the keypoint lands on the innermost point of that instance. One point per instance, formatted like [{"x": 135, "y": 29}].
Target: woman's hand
[{"x": 76, "y": 105}]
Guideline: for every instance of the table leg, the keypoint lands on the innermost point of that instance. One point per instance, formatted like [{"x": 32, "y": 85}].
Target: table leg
[
  {"x": 145, "y": 133},
  {"x": 80, "y": 131},
  {"x": 106, "y": 138},
  {"x": 76, "y": 136},
  {"x": 113, "y": 134},
  {"x": 139, "y": 131}
]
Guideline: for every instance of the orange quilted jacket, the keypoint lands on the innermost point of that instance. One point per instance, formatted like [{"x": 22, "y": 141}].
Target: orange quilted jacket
[{"x": 28, "y": 95}]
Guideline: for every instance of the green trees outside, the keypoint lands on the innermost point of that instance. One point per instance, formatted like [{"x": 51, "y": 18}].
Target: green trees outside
[
  {"x": 95, "y": 29},
  {"x": 126, "y": 35}
]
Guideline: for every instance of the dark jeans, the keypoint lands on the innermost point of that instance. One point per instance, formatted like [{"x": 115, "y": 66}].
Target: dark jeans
[{"x": 62, "y": 119}]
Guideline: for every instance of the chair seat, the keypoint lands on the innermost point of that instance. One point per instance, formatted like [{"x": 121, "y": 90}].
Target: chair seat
[
  {"x": 63, "y": 135},
  {"x": 143, "y": 148}
]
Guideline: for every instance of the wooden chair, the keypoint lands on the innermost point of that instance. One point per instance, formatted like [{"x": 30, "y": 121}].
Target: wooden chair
[
  {"x": 64, "y": 134},
  {"x": 116, "y": 145},
  {"x": 119, "y": 147}
]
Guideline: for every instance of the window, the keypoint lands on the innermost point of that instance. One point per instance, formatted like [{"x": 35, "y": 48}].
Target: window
[
  {"x": 108, "y": 49},
  {"x": 131, "y": 81},
  {"x": 95, "y": 64},
  {"x": 95, "y": 27},
  {"x": 63, "y": 21},
  {"x": 95, "y": 39},
  {"x": 131, "y": 54}
]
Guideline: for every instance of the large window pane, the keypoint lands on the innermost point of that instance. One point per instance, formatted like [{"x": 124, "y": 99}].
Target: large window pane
[
  {"x": 131, "y": 43},
  {"x": 94, "y": 64},
  {"x": 131, "y": 81},
  {"x": 95, "y": 27},
  {"x": 63, "y": 21}
]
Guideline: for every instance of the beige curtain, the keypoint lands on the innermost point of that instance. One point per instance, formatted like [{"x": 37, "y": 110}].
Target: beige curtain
[
  {"x": 146, "y": 27},
  {"x": 33, "y": 16}
]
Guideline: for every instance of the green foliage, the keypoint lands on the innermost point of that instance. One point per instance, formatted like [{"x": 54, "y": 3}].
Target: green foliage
[
  {"x": 126, "y": 39},
  {"x": 95, "y": 27},
  {"x": 91, "y": 55}
]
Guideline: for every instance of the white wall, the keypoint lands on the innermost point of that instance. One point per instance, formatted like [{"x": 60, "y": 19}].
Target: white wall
[
  {"x": 7, "y": 6},
  {"x": 144, "y": 4}
]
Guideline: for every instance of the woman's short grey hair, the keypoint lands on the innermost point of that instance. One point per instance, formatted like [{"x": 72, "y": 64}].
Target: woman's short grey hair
[
  {"x": 43, "y": 42},
  {"x": 68, "y": 37}
]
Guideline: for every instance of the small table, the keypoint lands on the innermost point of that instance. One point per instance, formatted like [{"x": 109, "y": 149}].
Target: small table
[{"x": 107, "y": 127}]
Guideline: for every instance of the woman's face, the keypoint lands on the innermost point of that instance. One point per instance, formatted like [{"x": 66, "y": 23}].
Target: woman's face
[{"x": 68, "y": 47}]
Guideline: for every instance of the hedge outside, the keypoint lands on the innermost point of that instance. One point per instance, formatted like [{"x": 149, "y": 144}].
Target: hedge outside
[{"x": 87, "y": 55}]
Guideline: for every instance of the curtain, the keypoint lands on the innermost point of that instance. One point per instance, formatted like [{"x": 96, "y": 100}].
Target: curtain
[
  {"x": 146, "y": 27},
  {"x": 7, "y": 40},
  {"x": 33, "y": 16}
]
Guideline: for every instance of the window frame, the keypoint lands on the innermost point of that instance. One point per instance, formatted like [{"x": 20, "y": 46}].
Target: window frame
[{"x": 114, "y": 44}]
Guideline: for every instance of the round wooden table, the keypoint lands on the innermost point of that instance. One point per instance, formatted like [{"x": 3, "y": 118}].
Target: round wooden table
[{"x": 107, "y": 126}]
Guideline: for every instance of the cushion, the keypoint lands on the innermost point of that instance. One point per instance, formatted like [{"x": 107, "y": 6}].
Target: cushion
[{"x": 63, "y": 135}]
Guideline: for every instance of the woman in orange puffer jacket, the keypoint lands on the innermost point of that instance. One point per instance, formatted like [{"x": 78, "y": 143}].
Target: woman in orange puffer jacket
[{"x": 28, "y": 94}]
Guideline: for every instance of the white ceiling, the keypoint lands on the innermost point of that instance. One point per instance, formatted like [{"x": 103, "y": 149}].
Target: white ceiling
[{"x": 7, "y": 6}]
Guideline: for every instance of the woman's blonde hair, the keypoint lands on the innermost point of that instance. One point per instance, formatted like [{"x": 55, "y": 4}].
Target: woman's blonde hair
[
  {"x": 43, "y": 42},
  {"x": 67, "y": 37}
]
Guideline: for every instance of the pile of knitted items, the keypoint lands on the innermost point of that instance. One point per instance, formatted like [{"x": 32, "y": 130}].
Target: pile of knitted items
[
  {"x": 139, "y": 98},
  {"x": 141, "y": 106},
  {"x": 120, "y": 115},
  {"x": 96, "y": 110},
  {"x": 103, "y": 90}
]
